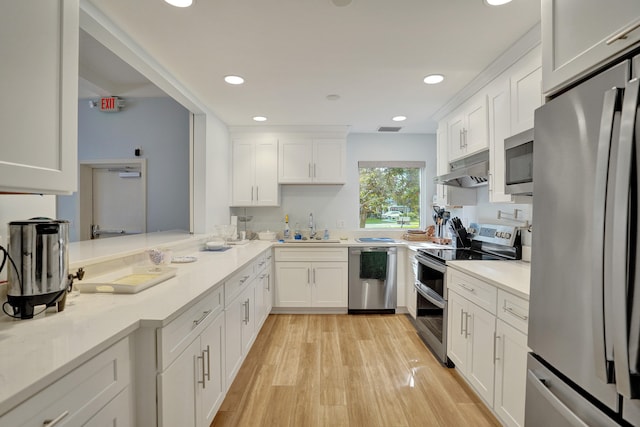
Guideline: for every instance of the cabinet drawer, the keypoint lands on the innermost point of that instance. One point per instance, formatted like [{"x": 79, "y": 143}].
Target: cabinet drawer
[
  {"x": 475, "y": 290},
  {"x": 311, "y": 254},
  {"x": 177, "y": 335},
  {"x": 235, "y": 284},
  {"x": 513, "y": 310},
  {"x": 79, "y": 395}
]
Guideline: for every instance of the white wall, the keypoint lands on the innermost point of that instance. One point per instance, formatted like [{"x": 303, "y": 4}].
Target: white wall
[{"x": 332, "y": 203}]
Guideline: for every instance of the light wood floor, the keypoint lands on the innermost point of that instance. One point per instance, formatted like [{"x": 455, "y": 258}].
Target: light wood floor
[{"x": 341, "y": 370}]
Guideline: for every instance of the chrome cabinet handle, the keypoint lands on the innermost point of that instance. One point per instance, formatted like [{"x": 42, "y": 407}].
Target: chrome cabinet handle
[
  {"x": 464, "y": 133},
  {"x": 208, "y": 374},
  {"x": 268, "y": 282},
  {"x": 314, "y": 277},
  {"x": 510, "y": 310},
  {"x": 460, "y": 140},
  {"x": 466, "y": 326},
  {"x": 244, "y": 307},
  {"x": 314, "y": 170},
  {"x": 257, "y": 193},
  {"x": 309, "y": 170},
  {"x": 622, "y": 35},
  {"x": 248, "y": 312},
  {"x": 308, "y": 276},
  {"x": 201, "y": 319},
  {"x": 202, "y": 382},
  {"x": 461, "y": 321},
  {"x": 495, "y": 346},
  {"x": 252, "y": 193},
  {"x": 468, "y": 288},
  {"x": 56, "y": 420}
]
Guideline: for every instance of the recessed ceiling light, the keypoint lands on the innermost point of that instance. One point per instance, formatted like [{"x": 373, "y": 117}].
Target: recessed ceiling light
[
  {"x": 433, "y": 79},
  {"x": 180, "y": 3},
  {"x": 260, "y": 119},
  {"x": 333, "y": 97},
  {"x": 399, "y": 118},
  {"x": 234, "y": 80},
  {"x": 341, "y": 3},
  {"x": 497, "y": 2}
]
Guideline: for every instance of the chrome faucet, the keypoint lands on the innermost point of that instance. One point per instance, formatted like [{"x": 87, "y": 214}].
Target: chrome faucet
[{"x": 312, "y": 227}]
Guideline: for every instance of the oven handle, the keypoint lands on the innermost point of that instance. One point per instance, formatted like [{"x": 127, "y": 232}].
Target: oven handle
[
  {"x": 442, "y": 268},
  {"x": 430, "y": 295}
]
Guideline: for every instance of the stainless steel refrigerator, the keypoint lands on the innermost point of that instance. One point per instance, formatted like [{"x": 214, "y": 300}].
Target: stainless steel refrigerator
[{"x": 584, "y": 327}]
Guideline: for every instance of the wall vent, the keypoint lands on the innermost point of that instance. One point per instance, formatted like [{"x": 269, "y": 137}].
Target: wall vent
[{"x": 389, "y": 129}]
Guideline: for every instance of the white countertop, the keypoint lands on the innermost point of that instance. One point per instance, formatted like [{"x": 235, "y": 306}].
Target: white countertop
[
  {"x": 35, "y": 352},
  {"x": 512, "y": 276}
]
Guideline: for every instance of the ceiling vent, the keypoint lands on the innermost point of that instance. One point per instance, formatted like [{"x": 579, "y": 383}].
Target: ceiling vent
[{"x": 389, "y": 129}]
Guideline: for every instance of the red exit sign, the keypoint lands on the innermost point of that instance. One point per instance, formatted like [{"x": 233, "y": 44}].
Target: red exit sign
[{"x": 109, "y": 104}]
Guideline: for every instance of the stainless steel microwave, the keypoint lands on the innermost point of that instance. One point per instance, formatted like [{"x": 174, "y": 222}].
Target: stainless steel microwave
[{"x": 518, "y": 156}]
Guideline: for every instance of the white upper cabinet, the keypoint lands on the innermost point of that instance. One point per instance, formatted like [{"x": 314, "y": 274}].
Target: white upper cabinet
[
  {"x": 255, "y": 172},
  {"x": 526, "y": 91},
  {"x": 39, "y": 104},
  {"x": 580, "y": 35},
  {"x": 467, "y": 128},
  {"x": 498, "y": 94},
  {"x": 447, "y": 195},
  {"x": 312, "y": 161}
]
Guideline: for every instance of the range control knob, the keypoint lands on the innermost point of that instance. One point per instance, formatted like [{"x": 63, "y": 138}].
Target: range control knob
[{"x": 507, "y": 235}]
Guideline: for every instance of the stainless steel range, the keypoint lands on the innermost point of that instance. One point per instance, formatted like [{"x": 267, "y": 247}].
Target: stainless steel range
[{"x": 478, "y": 242}]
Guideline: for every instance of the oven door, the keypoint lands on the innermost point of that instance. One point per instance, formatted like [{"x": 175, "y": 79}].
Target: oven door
[{"x": 431, "y": 307}]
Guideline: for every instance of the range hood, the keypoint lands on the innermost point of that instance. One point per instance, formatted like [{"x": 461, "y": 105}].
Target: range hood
[{"x": 469, "y": 172}]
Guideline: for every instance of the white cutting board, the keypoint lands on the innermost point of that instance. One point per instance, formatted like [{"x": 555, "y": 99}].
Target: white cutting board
[{"x": 138, "y": 279}]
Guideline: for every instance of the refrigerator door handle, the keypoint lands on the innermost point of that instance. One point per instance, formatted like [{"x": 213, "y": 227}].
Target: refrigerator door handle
[
  {"x": 601, "y": 284},
  {"x": 553, "y": 400},
  {"x": 622, "y": 283}
]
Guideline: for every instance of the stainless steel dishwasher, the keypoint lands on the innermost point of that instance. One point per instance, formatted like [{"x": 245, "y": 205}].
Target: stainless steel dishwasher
[{"x": 372, "y": 279}]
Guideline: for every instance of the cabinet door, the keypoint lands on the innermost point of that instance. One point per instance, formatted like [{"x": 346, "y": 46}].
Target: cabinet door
[
  {"x": 511, "y": 374},
  {"x": 177, "y": 389},
  {"x": 266, "y": 173},
  {"x": 499, "y": 100},
  {"x": 475, "y": 135},
  {"x": 39, "y": 105},
  {"x": 293, "y": 284},
  {"x": 442, "y": 166},
  {"x": 233, "y": 318},
  {"x": 329, "y": 284},
  {"x": 455, "y": 136},
  {"x": 480, "y": 367},
  {"x": 526, "y": 91},
  {"x": 212, "y": 342},
  {"x": 329, "y": 158},
  {"x": 577, "y": 36},
  {"x": 248, "y": 324},
  {"x": 295, "y": 161},
  {"x": 456, "y": 339},
  {"x": 243, "y": 175}
]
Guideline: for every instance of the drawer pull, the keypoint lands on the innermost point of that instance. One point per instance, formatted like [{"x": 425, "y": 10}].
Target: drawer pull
[
  {"x": 468, "y": 288},
  {"x": 201, "y": 319},
  {"x": 56, "y": 420},
  {"x": 513, "y": 312},
  {"x": 244, "y": 279},
  {"x": 622, "y": 35}
]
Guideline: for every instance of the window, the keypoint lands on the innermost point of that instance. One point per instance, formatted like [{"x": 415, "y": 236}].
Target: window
[{"x": 390, "y": 194}]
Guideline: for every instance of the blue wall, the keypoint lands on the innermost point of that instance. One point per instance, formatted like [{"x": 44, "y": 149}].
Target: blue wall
[{"x": 160, "y": 127}]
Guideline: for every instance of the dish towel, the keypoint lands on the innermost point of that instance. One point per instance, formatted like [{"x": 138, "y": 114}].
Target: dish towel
[{"x": 373, "y": 265}]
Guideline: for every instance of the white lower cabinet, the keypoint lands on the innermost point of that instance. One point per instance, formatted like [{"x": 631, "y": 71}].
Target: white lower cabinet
[
  {"x": 308, "y": 277},
  {"x": 190, "y": 380},
  {"x": 412, "y": 277},
  {"x": 191, "y": 389},
  {"x": 487, "y": 342},
  {"x": 240, "y": 330},
  {"x": 96, "y": 393},
  {"x": 471, "y": 329},
  {"x": 511, "y": 374}
]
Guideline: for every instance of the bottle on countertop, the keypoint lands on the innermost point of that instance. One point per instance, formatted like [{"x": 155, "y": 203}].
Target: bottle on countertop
[
  {"x": 287, "y": 231},
  {"x": 326, "y": 233}
]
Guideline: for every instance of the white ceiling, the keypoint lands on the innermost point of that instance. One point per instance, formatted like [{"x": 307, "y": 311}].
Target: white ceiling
[{"x": 293, "y": 53}]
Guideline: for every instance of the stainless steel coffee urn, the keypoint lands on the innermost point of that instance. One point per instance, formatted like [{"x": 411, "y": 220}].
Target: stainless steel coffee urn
[{"x": 39, "y": 273}]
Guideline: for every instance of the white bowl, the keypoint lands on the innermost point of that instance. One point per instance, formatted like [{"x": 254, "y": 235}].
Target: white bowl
[
  {"x": 214, "y": 244},
  {"x": 267, "y": 235}
]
